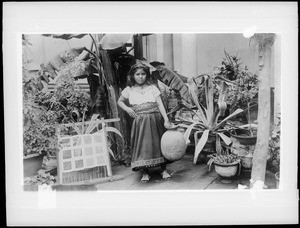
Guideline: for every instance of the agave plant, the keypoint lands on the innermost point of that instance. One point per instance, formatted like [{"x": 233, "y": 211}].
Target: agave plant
[
  {"x": 92, "y": 127},
  {"x": 208, "y": 115}
]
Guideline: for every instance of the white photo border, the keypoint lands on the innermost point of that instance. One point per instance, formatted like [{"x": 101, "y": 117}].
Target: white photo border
[{"x": 215, "y": 207}]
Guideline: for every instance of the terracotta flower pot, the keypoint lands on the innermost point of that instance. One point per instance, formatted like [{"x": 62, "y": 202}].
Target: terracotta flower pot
[
  {"x": 32, "y": 164},
  {"x": 49, "y": 164},
  {"x": 226, "y": 170},
  {"x": 246, "y": 162},
  {"x": 242, "y": 138}
]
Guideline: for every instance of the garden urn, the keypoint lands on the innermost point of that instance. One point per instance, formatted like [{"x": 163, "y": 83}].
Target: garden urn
[{"x": 173, "y": 145}]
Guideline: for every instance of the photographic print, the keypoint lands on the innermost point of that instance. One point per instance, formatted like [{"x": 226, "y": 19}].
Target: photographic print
[
  {"x": 156, "y": 113},
  {"x": 191, "y": 123}
]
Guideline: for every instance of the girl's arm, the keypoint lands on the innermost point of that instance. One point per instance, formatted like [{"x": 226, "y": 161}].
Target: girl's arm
[
  {"x": 121, "y": 103},
  {"x": 163, "y": 112}
]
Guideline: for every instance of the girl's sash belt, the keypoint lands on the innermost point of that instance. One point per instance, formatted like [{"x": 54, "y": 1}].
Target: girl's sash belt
[{"x": 146, "y": 108}]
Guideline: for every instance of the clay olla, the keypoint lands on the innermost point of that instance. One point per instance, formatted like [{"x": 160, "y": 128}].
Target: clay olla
[{"x": 173, "y": 145}]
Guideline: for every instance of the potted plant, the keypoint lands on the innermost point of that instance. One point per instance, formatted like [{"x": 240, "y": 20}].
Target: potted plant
[
  {"x": 243, "y": 144},
  {"x": 243, "y": 93},
  {"x": 41, "y": 178},
  {"x": 244, "y": 141},
  {"x": 42, "y": 112},
  {"x": 205, "y": 121},
  {"x": 273, "y": 163},
  {"x": 226, "y": 164}
]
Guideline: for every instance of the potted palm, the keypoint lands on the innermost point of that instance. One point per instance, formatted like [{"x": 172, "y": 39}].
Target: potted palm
[{"x": 205, "y": 122}]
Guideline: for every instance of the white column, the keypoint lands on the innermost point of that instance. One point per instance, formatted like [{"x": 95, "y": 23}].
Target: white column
[
  {"x": 160, "y": 47},
  {"x": 177, "y": 52},
  {"x": 168, "y": 51},
  {"x": 189, "y": 55}
]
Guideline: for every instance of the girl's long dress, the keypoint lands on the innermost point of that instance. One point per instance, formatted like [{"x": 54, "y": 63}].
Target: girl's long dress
[
  {"x": 147, "y": 127},
  {"x": 147, "y": 130}
]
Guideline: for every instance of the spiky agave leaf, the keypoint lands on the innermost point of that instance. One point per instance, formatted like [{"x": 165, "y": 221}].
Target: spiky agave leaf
[
  {"x": 111, "y": 152},
  {"x": 209, "y": 163},
  {"x": 218, "y": 144},
  {"x": 188, "y": 131},
  {"x": 112, "y": 129},
  {"x": 236, "y": 112},
  {"x": 92, "y": 125},
  {"x": 225, "y": 138},
  {"x": 200, "y": 113},
  {"x": 209, "y": 94},
  {"x": 201, "y": 144},
  {"x": 115, "y": 130}
]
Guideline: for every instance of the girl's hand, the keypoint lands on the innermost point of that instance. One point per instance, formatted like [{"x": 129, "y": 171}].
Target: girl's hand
[
  {"x": 131, "y": 112},
  {"x": 169, "y": 125}
]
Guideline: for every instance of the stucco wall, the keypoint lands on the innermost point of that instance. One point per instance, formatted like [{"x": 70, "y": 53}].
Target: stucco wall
[
  {"x": 194, "y": 54},
  {"x": 210, "y": 51}
]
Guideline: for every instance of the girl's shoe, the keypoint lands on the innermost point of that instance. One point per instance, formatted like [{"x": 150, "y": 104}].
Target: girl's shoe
[
  {"x": 165, "y": 175},
  {"x": 145, "y": 177}
]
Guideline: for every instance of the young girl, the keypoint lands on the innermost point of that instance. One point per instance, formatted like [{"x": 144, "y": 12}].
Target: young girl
[{"x": 150, "y": 121}]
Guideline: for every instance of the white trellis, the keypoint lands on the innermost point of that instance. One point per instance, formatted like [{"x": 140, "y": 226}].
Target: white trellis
[{"x": 83, "y": 157}]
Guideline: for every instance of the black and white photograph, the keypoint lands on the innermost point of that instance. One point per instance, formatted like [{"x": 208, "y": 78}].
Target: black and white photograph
[
  {"x": 180, "y": 110},
  {"x": 144, "y": 117}
]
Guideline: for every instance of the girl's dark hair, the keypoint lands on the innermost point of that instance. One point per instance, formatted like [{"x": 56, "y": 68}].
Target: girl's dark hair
[{"x": 132, "y": 71}]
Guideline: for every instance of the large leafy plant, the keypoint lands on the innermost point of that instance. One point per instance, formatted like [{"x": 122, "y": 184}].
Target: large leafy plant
[
  {"x": 208, "y": 114},
  {"x": 243, "y": 92},
  {"x": 43, "y": 111}
]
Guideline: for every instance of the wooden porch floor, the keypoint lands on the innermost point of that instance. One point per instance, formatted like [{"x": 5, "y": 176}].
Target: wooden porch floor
[{"x": 184, "y": 176}]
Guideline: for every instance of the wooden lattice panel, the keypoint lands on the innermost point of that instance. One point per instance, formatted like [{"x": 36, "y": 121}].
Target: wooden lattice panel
[{"x": 84, "y": 158}]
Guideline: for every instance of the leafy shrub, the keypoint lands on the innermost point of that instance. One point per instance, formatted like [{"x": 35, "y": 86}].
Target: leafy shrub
[
  {"x": 273, "y": 163},
  {"x": 245, "y": 87},
  {"x": 244, "y": 91},
  {"x": 41, "y": 178},
  {"x": 43, "y": 111}
]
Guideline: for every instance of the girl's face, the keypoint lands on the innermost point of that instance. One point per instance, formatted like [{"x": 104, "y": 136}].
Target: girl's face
[{"x": 140, "y": 76}]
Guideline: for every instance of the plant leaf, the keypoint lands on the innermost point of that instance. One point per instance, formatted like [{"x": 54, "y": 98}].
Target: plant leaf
[
  {"x": 236, "y": 112},
  {"x": 209, "y": 92},
  {"x": 111, "y": 152},
  {"x": 225, "y": 138},
  {"x": 115, "y": 130},
  {"x": 209, "y": 163},
  {"x": 218, "y": 145},
  {"x": 200, "y": 145},
  {"x": 223, "y": 91},
  {"x": 187, "y": 133},
  {"x": 224, "y": 79},
  {"x": 195, "y": 100}
]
